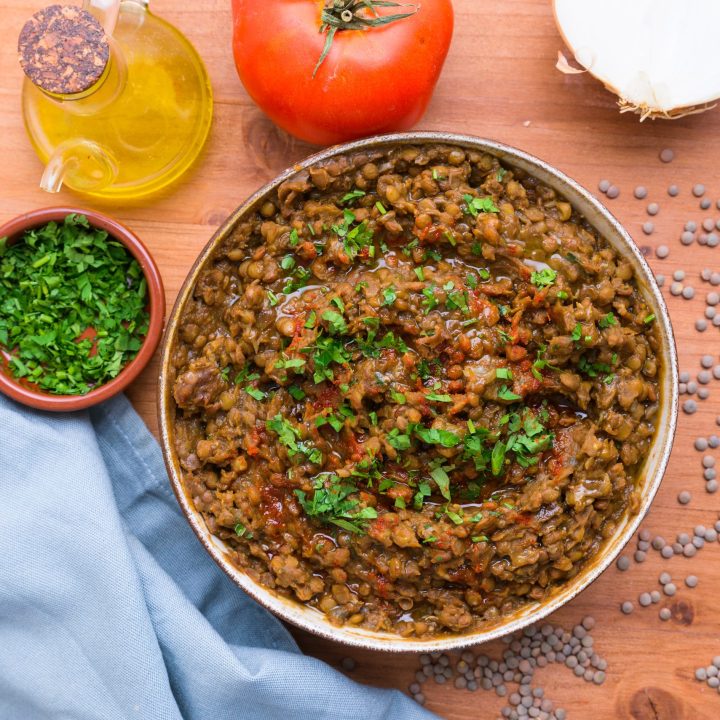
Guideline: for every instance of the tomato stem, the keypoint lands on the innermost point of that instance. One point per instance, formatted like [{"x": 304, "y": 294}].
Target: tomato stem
[{"x": 346, "y": 15}]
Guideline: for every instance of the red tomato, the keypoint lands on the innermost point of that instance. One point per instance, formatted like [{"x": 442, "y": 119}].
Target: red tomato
[{"x": 372, "y": 81}]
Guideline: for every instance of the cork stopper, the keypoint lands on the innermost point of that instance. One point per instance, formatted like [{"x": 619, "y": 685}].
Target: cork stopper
[{"x": 63, "y": 50}]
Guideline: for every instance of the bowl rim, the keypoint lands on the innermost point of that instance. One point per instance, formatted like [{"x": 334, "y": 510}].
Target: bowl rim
[
  {"x": 313, "y": 621},
  {"x": 13, "y": 230}
]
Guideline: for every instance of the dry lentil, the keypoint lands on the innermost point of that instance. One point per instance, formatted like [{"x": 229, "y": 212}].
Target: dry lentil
[
  {"x": 653, "y": 208},
  {"x": 663, "y": 251},
  {"x": 673, "y": 190},
  {"x": 640, "y": 192},
  {"x": 667, "y": 155},
  {"x": 613, "y": 192},
  {"x": 665, "y": 614},
  {"x": 684, "y": 497},
  {"x": 648, "y": 228},
  {"x": 698, "y": 190}
]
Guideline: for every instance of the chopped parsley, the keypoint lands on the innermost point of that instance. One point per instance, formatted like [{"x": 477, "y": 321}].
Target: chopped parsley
[
  {"x": 543, "y": 278},
  {"x": 352, "y": 195},
  {"x": 289, "y": 436},
  {"x": 389, "y": 295},
  {"x": 439, "y": 397},
  {"x": 331, "y": 503},
  {"x": 608, "y": 320},
  {"x": 506, "y": 394},
  {"x": 357, "y": 239},
  {"x": 336, "y": 322},
  {"x": 474, "y": 205},
  {"x": 649, "y": 318},
  {"x": 73, "y": 306}
]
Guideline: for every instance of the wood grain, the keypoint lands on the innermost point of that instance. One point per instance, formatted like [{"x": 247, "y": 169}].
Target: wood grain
[{"x": 499, "y": 82}]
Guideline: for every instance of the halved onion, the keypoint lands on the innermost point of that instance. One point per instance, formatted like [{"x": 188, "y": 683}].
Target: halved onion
[{"x": 657, "y": 56}]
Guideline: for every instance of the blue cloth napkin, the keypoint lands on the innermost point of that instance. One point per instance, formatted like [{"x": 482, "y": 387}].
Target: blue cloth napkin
[{"x": 110, "y": 607}]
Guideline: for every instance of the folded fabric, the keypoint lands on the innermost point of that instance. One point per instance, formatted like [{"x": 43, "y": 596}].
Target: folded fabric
[{"x": 110, "y": 607}]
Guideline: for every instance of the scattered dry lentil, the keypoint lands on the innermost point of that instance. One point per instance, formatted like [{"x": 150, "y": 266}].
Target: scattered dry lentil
[
  {"x": 673, "y": 190},
  {"x": 665, "y": 614},
  {"x": 653, "y": 208},
  {"x": 663, "y": 251},
  {"x": 667, "y": 155},
  {"x": 623, "y": 563},
  {"x": 688, "y": 292},
  {"x": 640, "y": 192},
  {"x": 604, "y": 186},
  {"x": 613, "y": 192},
  {"x": 684, "y": 497},
  {"x": 689, "y": 407},
  {"x": 648, "y": 228},
  {"x": 698, "y": 190}
]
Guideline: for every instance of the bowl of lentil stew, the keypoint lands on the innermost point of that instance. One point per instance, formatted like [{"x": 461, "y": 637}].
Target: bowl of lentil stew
[
  {"x": 417, "y": 392},
  {"x": 75, "y": 266}
]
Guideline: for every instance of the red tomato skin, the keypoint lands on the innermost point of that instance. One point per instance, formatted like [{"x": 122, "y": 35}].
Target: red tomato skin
[{"x": 372, "y": 81}]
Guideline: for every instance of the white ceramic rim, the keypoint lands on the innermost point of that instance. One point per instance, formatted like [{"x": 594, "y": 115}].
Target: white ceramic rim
[{"x": 651, "y": 475}]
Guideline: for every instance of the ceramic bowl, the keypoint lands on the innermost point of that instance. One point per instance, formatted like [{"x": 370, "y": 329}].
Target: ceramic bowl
[
  {"x": 649, "y": 477},
  {"x": 31, "y": 395}
]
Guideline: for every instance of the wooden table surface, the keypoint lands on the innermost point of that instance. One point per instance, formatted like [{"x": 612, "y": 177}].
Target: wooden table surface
[{"x": 499, "y": 82}]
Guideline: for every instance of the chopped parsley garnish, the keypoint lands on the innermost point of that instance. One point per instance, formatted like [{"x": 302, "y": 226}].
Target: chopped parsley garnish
[
  {"x": 607, "y": 321},
  {"x": 389, "y": 295},
  {"x": 398, "y": 397},
  {"x": 72, "y": 306},
  {"x": 288, "y": 262},
  {"x": 380, "y": 208},
  {"x": 289, "y": 363},
  {"x": 357, "y": 239},
  {"x": 331, "y": 503},
  {"x": 576, "y": 334},
  {"x": 648, "y": 319},
  {"x": 352, "y": 195},
  {"x": 543, "y": 278},
  {"x": 295, "y": 238},
  {"x": 336, "y": 322},
  {"x": 503, "y": 373},
  {"x": 289, "y": 436},
  {"x": 255, "y": 393},
  {"x": 506, "y": 394},
  {"x": 336, "y": 420},
  {"x": 419, "y": 273},
  {"x": 429, "y": 302},
  {"x": 474, "y": 205},
  {"x": 273, "y": 298},
  {"x": 310, "y": 320},
  {"x": 242, "y": 531},
  {"x": 439, "y": 474},
  {"x": 592, "y": 369},
  {"x": 439, "y": 397},
  {"x": 326, "y": 351},
  {"x": 398, "y": 440},
  {"x": 297, "y": 392}
]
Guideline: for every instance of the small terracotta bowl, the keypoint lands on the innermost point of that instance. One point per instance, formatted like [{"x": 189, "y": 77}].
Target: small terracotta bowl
[{"x": 30, "y": 394}]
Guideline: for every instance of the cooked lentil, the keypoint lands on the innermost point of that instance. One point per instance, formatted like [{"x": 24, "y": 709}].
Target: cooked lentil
[{"x": 417, "y": 393}]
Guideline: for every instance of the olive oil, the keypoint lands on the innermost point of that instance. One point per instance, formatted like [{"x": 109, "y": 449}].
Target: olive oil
[{"x": 141, "y": 129}]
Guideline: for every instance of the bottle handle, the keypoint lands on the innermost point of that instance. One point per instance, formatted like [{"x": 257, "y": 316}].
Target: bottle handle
[
  {"x": 82, "y": 164},
  {"x": 106, "y": 11}
]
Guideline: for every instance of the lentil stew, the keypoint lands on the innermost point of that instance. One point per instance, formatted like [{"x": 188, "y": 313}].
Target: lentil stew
[{"x": 414, "y": 390}]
